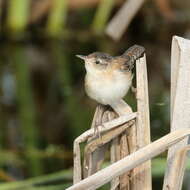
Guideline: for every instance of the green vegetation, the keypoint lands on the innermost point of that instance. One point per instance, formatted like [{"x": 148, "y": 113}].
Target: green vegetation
[
  {"x": 43, "y": 106},
  {"x": 102, "y": 15},
  {"x": 18, "y": 14},
  {"x": 29, "y": 129},
  {"x": 57, "y": 17}
]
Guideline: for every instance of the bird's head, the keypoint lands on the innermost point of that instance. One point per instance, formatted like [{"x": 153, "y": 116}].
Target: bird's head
[{"x": 96, "y": 62}]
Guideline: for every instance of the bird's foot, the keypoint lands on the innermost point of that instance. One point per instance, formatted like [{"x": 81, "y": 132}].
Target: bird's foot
[{"x": 97, "y": 130}]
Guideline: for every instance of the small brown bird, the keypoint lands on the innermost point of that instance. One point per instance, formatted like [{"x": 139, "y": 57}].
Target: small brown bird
[{"x": 109, "y": 78}]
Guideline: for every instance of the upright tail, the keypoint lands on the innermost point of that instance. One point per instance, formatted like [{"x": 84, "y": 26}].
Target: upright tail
[
  {"x": 132, "y": 54},
  {"x": 135, "y": 51}
]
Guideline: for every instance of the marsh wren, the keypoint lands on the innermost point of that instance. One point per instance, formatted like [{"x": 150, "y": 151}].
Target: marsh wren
[{"x": 109, "y": 78}]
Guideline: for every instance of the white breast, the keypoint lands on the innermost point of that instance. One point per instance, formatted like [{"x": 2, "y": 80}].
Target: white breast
[{"x": 107, "y": 89}]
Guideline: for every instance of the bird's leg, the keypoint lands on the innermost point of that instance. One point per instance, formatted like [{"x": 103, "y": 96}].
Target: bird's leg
[
  {"x": 100, "y": 119},
  {"x": 97, "y": 131}
]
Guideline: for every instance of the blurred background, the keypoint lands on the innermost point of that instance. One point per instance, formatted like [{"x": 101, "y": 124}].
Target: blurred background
[{"x": 43, "y": 106}]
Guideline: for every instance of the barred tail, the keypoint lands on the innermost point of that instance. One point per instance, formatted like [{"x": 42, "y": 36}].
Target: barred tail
[{"x": 135, "y": 52}]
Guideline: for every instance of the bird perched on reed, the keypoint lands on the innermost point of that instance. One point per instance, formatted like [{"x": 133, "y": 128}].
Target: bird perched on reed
[{"x": 109, "y": 78}]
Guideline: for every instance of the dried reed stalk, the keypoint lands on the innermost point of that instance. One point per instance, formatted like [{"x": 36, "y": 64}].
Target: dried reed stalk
[
  {"x": 107, "y": 126},
  {"x": 114, "y": 124},
  {"x": 179, "y": 166},
  {"x": 178, "y": 138},
  {"x": 115, "y": 156},
  {"x": 96, "y": 147},
  {"x": 180, "y": 105},
  {"x": 124, "y": 145},
  {"x": 122, "y": 19},
  {"x": 124, "y": 180},
  {"x": 141, "y": 176},
  {"x": 127, "y": 144},
  {"x": 77, "y": 169},
  {"x": 126, "y": 164}
]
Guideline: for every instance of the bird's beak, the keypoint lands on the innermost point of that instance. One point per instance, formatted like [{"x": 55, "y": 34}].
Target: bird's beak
[{"x": 82, "y": 57}]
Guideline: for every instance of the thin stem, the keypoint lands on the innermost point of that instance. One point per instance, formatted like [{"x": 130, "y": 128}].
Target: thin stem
[
  {"x": 26, "y": 108},
  {"x": 18, "y": 12},
  {"x": 57, "y": 17},
  {"x": 102, "y": 15}
]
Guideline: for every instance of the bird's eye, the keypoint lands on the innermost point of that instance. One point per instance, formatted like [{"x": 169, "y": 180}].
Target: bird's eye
[{"x": 98, "y": 62}]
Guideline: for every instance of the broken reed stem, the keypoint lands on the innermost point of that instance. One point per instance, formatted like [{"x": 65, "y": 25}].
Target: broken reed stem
[
  {"x": 126, "y": 164},
  {"x": 95, "y": 144},
  {"x": 106, "y": 126},
  {"x": 179, "y": 166},
  {"x": 77, "y": 168},
  {"x": 180, "y": 105},
  {"x": 115, "y": 156},
  {"x": 124, "y": 180},
  {"x": 142, "y": 174},
  {"x": 94, "y": 158},
  {"x": 89, "y": 133},
  {"x": 77, "y": 176},
  {"x": 127, "y": 143},
  {"x": 122, "y": 19}
]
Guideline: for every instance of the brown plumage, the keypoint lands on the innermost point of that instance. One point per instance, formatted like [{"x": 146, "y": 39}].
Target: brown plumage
[{"x": 108, "y": 78}]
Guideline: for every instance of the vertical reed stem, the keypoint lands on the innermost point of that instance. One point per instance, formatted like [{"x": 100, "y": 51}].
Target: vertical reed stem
[
  {"x": 18, "y": 12},
  {"x": 102, "y": 15},
  {"x": 26, "y": 109},
  {"x": 57, "y": 17}
]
